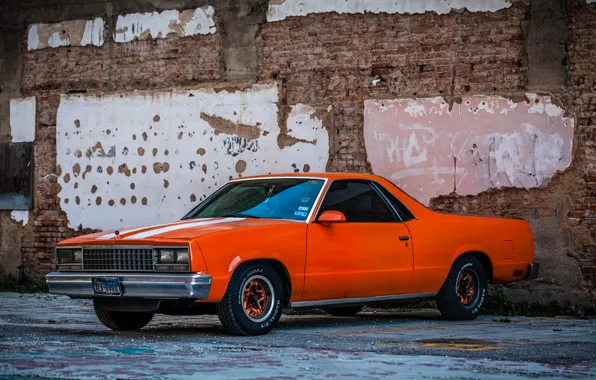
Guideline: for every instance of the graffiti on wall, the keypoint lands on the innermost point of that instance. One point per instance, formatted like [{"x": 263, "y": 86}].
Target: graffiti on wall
[
  {"x": 430, "y": 148},
  {"x": 148, "y": 157},
  {"x": 282, "y": 9}
]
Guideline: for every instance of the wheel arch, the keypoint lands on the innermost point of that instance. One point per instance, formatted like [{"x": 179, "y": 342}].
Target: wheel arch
[
  {"x": 281, "y": 270},
  {"x": 484, "y": 260}
]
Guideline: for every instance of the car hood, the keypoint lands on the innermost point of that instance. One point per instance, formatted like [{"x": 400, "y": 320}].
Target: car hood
[{"x": 184, "y": 230}]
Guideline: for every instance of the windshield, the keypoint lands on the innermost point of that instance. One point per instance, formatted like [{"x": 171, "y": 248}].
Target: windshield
[{"x": 270, "y": 198}]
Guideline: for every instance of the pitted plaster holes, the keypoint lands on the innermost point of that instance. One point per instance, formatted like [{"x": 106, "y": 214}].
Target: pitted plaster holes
[
  {"x": 76, "y": 185},
  {"x": 156, "y": 118},
  {"x": 78, "y": 153},
  {"x": 143, "y": 169},
  {"x": 180, "y": 135},
  {"x": 144, "y": 201},
  {"x": 111, "y": 202},
  {"x": 125, "y": 151},
  {"x": 67, "y": 178},
  {"x": 98, "y": 201},
  {"x": 77, "y": 123},
  {"x": 123, "y": 169},
  {"x": 240, "y": 166},
  {"x": 306, "y": 168},
  {"x": 88, "y": 169},
  {"x": 166, "y": 183},
  {"x": 154, "y": 152},
  {"x": 141, "y": 151},
  {"x": 192, "y": 165},
  {"x": 132, "y": 186},
  {"x": 166, "y": 152},
  {"x": 193, "y": 198},
  {"x": 99, "y": 169},
  {"x": 88, "y": 153},
  {"x": 157, "y": 167},
  {"x": 58, "y": 170},
  {"x": 145, "y": 136},
  {"x": 133, "y": 199},
  {"x": 93, "y": 189},
  {"x": 204, "y": 168},
  {"x": 228, "y": 127},
  {"x": 67, "y": 152},
  {"x": 110, "y": 170},
  {"x": 122, "y": 201},
  {"x": 165, "y": 167},
  {"x": 108, "y": 131},
  {"x": 78, "y": 200},
  {"x": 66, "y": 200}
]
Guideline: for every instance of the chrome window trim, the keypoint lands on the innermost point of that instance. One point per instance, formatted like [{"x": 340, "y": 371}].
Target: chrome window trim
[
  {"x": 308, "y": 218},
  {"x": 372, "y": 184},
  {"x": 362, "y": 300}
]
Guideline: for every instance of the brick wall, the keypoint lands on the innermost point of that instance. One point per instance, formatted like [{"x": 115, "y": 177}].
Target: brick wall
[{"x": 330, "y": 58}]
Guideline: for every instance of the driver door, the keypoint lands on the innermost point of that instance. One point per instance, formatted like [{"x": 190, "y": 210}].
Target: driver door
[{"x": 368, "y": 255}]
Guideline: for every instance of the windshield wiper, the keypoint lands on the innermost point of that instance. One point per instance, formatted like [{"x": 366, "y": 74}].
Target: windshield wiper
[{"x": 240, "y": 215}]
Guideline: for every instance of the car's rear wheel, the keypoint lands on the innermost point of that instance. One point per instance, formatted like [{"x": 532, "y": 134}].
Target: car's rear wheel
[
  {"x": 122, "y": 320},
  {"x": 343, "y": 311},
  {"x": 463, "y": 293},
  {"x": 253, "y": 301}
]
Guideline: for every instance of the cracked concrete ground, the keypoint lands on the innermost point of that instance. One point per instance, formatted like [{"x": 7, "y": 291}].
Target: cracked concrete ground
[{"x": 46, "y": 336}]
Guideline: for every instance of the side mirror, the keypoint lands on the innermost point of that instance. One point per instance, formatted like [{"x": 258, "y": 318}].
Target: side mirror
[{"x": 330, "y": 217}]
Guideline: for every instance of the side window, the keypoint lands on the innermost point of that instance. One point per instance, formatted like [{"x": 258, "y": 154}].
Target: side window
[
  {"x": 402, "y": 210},
  {"x": 358, "y": 201}
]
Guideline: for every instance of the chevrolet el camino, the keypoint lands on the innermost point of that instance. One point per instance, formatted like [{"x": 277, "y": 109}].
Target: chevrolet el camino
[{"x": 258, "y": 245}]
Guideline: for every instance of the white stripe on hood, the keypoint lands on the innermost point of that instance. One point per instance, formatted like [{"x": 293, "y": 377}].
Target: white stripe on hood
[
  {"x": 124, "y": 232},
  {"x": 176, "y": 227}
]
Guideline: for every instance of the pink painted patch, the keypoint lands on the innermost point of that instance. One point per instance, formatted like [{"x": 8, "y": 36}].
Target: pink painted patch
[{"x": 484, "y": 142}]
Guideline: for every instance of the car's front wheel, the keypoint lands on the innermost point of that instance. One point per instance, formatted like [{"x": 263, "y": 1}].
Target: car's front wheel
[
  {"x": 253, "y": 301},
  {"x": 122, "y": 320},
  {"x": 463, "y": 293}
]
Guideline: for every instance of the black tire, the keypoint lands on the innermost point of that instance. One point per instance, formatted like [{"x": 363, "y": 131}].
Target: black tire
[
  {"x": 122, "y": 320},
  {"x": 231, "y": 311},
  {"x": 454, "y": 300},
  {"x": 344, "y": 311}
]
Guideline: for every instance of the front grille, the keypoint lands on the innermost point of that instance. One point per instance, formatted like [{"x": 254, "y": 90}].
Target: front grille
[{"x": 118, "y": 259}]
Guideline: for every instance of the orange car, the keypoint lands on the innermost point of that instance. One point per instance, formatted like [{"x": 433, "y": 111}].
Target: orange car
[{"x": 259, "y": 244}]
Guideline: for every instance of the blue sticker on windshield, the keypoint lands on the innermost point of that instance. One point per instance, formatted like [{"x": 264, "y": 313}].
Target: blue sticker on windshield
[
  {"x": 302, "y": 208},
  {"x": 301, "y": 213}
]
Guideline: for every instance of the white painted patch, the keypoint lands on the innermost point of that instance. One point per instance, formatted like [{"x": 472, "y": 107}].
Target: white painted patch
[
  {"x": 591, "y": 1},
  {"x": 20, "y": 217},
  {"x": 22, "y": 119},
  {"x": 181, "y": 226},
  {"x": 185, "y": 23},
  {"x": 66, "y": 33},
  {"x": 280, "y": 10},
  {"x": 117, "y": 133}
]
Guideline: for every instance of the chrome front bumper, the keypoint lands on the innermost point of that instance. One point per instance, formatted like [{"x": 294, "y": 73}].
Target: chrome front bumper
[
  {"x": 139, "y": 285},
  {"x": 532, "y": 271}
]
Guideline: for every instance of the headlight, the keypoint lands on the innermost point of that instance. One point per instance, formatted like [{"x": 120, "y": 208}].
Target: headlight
[
  {"x": 182, "y": 256},
  {"x": 64, "y": 256},
  {"x": 167, "y": 256},
  {"x": 173, "y": 256},
  {"x": 77, "y": 256}
]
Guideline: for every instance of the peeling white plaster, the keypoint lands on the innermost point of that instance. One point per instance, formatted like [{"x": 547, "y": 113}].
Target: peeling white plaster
[
  {"x": 484, "y": 142},
  {"x": 20, "y": 217},
  {"x": 22, "y": 119},
  {"x": 168, "y": 148},
  {"x": 280, "y": 10},
  {"x": 66, "y": 33},
  {"x": 161, "y": 24}
]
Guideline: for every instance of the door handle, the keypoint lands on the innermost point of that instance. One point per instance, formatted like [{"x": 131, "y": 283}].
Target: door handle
[{"x": 404, "y": 238}]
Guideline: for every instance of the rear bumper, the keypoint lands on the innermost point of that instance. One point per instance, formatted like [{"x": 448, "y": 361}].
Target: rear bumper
[
  {"x": 532, "y": 271},
  {"x": 139, "y": 285}
]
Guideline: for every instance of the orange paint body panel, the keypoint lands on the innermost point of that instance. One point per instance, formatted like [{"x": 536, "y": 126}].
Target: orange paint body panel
[{"x": 341, "y": 259}]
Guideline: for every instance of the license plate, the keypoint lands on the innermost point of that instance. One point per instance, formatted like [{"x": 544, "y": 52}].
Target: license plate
[{"x": 107, "y": 286}]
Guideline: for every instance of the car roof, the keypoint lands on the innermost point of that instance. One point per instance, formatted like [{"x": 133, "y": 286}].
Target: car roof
[{"x": 330, "y": 176}]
